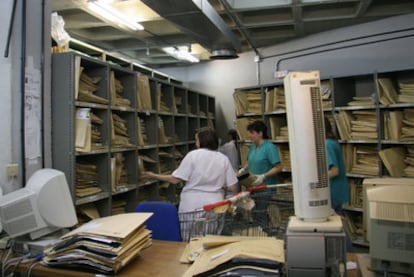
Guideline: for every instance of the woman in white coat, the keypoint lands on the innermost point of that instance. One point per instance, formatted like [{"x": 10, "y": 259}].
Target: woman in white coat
[{"x": 206, "y": 172}]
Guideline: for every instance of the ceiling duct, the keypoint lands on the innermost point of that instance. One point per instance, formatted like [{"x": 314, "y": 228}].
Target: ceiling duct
[
  {"x": 223, "y": 54},
  {"x": 200, "y": 21}
]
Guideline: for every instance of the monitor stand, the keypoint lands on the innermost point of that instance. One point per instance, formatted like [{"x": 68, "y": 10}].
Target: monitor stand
[{"x": 315, "y": 248}]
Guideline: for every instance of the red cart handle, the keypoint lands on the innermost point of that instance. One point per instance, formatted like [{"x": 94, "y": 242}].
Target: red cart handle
[{"x": 232, "y": 199}]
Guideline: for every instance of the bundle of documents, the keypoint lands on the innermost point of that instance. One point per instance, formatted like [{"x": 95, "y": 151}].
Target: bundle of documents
[
  {"x": 86, "y": 213},
  {"x": 162, "y": 101},
  {"x": 119, "y": 174},
  {"x": 393, "y": 121},
  {"x": 406, "y": 90},
  {"x": 364, "y": 159},
  {"x": 162, "y": 137},
  {"x": 407, "y": 128},
  {"x": 357, "y": 125},
  {"x": 362, "y": 101},
  {"x": 116, "y": 90},
  {"x": 284, "y": 155},
  {"x": 87, "y": 88},
  {"x": 142, "y": 132},
  {"x": 178, "y": 105},
  {"x": 102, "y": 245},
  {"x": 356, "y": 192},
  {"x": 364, "y": 125},
  {"x": 278, "y": 128},
  {"x": 144, "y": 102},
  {"x": 234, "y": 255},
  {"x": 86, "y": 179},
  {"x": 119, "y": 131},
  {"x": 248, "y": 102},
  {"x": 387, "y": 92}
]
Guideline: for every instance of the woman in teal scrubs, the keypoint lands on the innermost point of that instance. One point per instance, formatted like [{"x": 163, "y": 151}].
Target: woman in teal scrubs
[{"x": 338, "y": 182}]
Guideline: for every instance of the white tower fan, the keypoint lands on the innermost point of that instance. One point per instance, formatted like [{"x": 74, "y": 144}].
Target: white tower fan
[{"x": 307, "y": 146}]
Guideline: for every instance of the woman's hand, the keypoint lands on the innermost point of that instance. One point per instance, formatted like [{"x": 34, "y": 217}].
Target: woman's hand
[{"x": 147, "y": 175}]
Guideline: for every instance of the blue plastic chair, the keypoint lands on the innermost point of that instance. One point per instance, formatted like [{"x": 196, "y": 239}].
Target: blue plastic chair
[{"x": 164, "y": 222}]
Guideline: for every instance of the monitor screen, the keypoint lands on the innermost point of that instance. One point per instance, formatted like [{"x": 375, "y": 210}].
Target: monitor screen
[{"x": 43, "y": 206}]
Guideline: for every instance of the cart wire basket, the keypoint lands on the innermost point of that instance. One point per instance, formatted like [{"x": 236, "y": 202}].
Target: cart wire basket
[
  {"x": 268, "y": 217},
  {"x": 208, "y": 220}
]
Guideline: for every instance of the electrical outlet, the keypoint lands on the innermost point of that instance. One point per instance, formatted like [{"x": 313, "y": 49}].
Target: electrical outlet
[{"x": 12, "y": 170}]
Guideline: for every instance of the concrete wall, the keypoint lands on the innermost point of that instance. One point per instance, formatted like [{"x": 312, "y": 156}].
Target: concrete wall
[{"x": 377, "y": 46}]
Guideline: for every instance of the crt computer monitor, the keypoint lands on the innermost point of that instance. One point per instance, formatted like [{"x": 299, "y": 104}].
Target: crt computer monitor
[{"x": 42, "y": 207}]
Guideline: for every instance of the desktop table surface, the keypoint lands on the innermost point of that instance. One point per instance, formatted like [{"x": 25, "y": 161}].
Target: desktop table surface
[{"x": 159, "y": 260}]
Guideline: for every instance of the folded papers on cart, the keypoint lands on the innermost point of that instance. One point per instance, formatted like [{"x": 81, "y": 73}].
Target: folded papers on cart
[
  {"x": 220, "y": 255},
  {"x": 104, "y": 244}
]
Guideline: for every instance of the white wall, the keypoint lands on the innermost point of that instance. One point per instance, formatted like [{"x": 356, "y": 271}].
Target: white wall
[
  {"x": 8, "y": 155},
  {"x": 359, "y": 49},
  {"x": 220, "y": 78}
]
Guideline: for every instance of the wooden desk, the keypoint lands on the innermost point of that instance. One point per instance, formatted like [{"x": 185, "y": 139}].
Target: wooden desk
[{"x": 160, "y": 259}]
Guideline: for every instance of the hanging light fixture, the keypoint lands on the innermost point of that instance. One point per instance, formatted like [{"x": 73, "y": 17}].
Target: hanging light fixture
[{"x": 180, "y": 53}]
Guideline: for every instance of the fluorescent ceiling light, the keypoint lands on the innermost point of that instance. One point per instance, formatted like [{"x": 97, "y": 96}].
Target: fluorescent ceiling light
[
  {"x": 249, "y": 4},
  {"x": 180, "y": 53},
  {"x": 101, "y": 8}
]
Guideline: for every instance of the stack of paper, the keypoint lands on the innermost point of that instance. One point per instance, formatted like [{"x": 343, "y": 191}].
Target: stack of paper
[
  {"x": 96, "y": 136},
  {"x": 248, "y": 102},
  {"x": 343, "y": 123},
  {"x": 144, "y": 102},
  {"x": 393, "y": 159},
  {"x": 119, "y": 130},
  {"x": 103, "y": 245},
  {"x": 142, "y": 132},
  {"x": 86, "y": 213},
  {"x": 355, "y": 189},
  {"x": 387, "y": 92},
  {"x": 215, "y": 255},
  {"x": 86, "y": 179},
  {"x": 393, "y": 121},
  {"x": 365, "y": 160},
  {"x": 284, "y": 154},
  {"x": 409, "y": 161},
  {"x": 361, "y": 101},
  {"x": 364, "y": 125},
  {"x": 278, "y": 128},
  {"x": 118, "y": 172},
  {"x": 162, "y": 102},
  {"x": 275, "y": 99},
  {"x": 407, "y": 129},
  {"x": 406, "y": 92},
  {"x": 87, "y": 88},
  {"x": 116, "y": 90},
  {"x": 162, "y": 136}
]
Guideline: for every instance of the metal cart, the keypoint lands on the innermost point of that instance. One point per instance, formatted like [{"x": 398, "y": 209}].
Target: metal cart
[{"x": 269, "y": 217}]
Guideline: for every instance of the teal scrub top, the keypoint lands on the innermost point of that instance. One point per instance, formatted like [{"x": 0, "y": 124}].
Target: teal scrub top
[
  {"x": 339, "y": 187},
  {"x": 262, "y": 159}
]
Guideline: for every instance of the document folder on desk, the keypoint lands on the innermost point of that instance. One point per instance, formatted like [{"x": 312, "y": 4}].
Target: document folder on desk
[{"x": 105, "y": 244}]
